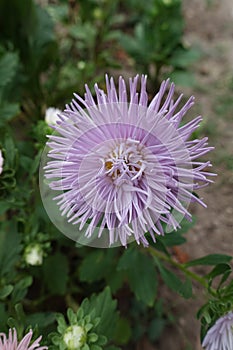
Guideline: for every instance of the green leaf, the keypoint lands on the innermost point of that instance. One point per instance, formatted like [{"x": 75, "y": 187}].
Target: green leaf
[
  {"x": 8, "y": 111},
  {"x": 10, "y": 151},
  {"x": 55, "y": 271},
  {"x": 9, "y": 248},
  {"x": 122, "y": 331},
  {"x": 155, "y": 328},
  {"x": 3, "y": 317},
  {"x": 183, "y": 78},
  {"x": 104, "y": 307},
  {"x": 41, "y": 319},
  {"x": 220, "y": 269},
  {"x": 5, "y": 291},
  {"x": 171, "y": 239},
  {"x": 4, "y": 206},
  {"x": 141, "y": 274},
  {"x": 182, "y": 58},
  {"x": 8, "y": 65},
  {"x": 21, "y": 288},
  {"x": 174, "y": 282},
  {"x": 96, "y": 265},
  {"x": 211, "y": 259}
]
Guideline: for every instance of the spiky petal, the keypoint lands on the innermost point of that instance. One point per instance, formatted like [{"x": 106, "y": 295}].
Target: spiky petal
[
  {"x": 124, "y": 165},
  {"x": 220, "y": 335}
]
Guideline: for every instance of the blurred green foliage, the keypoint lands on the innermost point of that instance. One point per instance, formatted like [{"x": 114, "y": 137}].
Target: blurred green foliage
[{"x": 46, "y": 54}]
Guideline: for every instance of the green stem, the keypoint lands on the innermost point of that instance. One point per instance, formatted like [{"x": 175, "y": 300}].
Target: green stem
[{"x": 154, "y": 252}]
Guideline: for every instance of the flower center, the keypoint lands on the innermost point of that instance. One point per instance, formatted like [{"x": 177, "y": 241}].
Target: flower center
[{"x": 126, "y": 161}]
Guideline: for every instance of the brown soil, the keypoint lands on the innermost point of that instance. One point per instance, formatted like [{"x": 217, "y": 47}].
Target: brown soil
[{"x": 211, "y": 28}]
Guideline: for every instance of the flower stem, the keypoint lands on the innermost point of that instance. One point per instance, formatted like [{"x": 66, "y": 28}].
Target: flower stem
[{"x": 194, "y": 276}]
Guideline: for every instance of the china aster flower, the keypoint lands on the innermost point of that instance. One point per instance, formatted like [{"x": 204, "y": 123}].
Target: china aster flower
[
  {"x": 11, "y": 343},
  {"x": 220, "y": 335},
  {"x": 1, "y": 161},
  {"x": 125, "y": 166}
]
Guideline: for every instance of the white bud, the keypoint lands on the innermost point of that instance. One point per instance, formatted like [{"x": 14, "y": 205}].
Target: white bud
[
  {"x": 51, "y": 115},
  {"x": 74, "y": 337},
  {"x": 33, "y": 254}
]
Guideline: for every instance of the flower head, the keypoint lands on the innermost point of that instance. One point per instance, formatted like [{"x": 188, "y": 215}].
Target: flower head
[
  {"x": 124, "y": 166},
  {"x": 1, "y": 161},
  {"x": 51, "y": 115},
  {"x": 11, "y": 343},
  {"x": 80, "y": 333},
  {"x": 220, "y": 335}
]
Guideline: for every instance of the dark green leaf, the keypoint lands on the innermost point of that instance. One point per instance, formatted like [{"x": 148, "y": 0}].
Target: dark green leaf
[
  {"x": 174, "y": 282},
  {"x": 104, "y": 307},
  {"x": 220, "y": 269},
  {"x": 182, "y": 58},
  {"x": 41, "y": 319},
  {"x": 5, "y": 291},
  {"x": 141, "y": 274},
  {"x": 96, "y": 265},
  {"x": 155, "y": 328},
  {"x": 9, "y": 248},
  {"x": 122, "y": 331},
  {"x": 55, "y": 270},
  {"x": 171, "y": 239},
  {"x": 183, "y": 78},
  {"x": 8, "y": 111},
  {"x": 20, "y": 289},
  {"x": 211, "y": 259},
  {"x": 8, "y": 65},
  {"x": 4, "y": 206}
]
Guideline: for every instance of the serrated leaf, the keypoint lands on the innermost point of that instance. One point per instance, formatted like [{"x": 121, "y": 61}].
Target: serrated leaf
[
  {"x": 94, "y": 266},
  {"x": 99, "y": 265},
  {"x": 211, "y": 259},
  {"x": 104, "y": 307},
  {"x": 174, "y": 282},
  {"x": 55, "y": 271},
  {"x": 141, "y": 274}
]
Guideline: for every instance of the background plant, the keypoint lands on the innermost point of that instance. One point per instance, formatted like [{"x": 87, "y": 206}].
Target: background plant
[{"x": 46, "y": 53}]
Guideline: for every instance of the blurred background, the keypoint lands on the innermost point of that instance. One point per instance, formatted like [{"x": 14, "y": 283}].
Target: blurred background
[{"x": 50, "y": 48}]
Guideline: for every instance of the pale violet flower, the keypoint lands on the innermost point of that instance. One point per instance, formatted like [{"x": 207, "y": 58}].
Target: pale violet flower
[
  {"x": 74, "y": 337},
  {"x": 121, "y": 166},
  {"x": 220, "y": 335},
  {"x": 11, "y": 342},
  {"x": 33, "y": 254},
  {"x": 1, "y": 162},
  {"x": 51, "y": 115}
]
